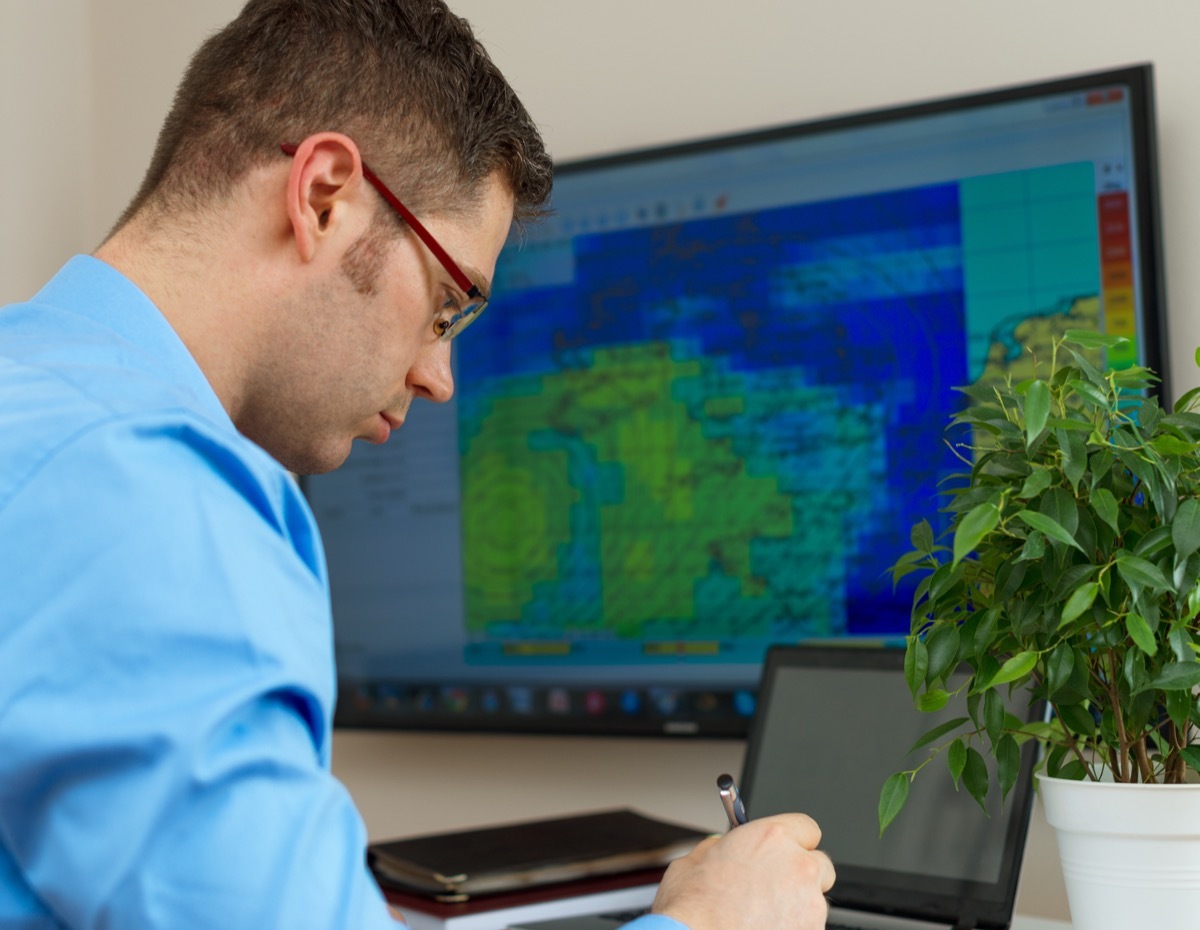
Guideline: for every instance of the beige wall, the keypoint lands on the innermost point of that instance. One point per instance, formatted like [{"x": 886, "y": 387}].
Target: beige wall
[
  {"x": 602, "y": 76},
  {"x": 86, "y": 83},
  {"x": 47, "y": 144}
]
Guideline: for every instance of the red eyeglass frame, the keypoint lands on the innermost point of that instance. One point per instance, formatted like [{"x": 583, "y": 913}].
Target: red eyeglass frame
[{"x": 469, "y": 287}]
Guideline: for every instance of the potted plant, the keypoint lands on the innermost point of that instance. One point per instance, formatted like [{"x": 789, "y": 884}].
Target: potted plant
[{"x": 1071, "y": 572}]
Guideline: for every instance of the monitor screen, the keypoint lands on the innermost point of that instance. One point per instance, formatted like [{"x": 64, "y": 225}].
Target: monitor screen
[{"x": 708, "y": 403}]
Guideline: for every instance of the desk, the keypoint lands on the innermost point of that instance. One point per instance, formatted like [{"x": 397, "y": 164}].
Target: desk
[{"x": 462, "y": 781}]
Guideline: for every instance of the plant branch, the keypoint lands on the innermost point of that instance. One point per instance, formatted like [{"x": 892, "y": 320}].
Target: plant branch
[
  {"x": 1143, "y": 760},
  {"x": 1074, "y": 746},
  {"x": 1125, "y": 773}
]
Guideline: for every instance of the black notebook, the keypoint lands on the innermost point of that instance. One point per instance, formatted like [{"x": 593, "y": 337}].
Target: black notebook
[{"x": 454, "y": 866}]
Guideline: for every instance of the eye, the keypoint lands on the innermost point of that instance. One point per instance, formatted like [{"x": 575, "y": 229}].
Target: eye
[{"x": 447, "y": 313}]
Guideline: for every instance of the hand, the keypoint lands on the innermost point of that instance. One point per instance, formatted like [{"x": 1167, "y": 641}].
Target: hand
[{"x": 765, "y": 873}]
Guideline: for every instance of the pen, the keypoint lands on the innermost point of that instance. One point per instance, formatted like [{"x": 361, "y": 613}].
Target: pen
[{"x": 735, "y": 810}]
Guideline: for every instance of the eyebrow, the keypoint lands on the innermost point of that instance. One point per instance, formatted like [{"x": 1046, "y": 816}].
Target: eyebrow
[{"x": 484, "y": 285}]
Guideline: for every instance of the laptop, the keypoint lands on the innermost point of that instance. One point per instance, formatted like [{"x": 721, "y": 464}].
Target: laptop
[{"x": 833, "y": 722}]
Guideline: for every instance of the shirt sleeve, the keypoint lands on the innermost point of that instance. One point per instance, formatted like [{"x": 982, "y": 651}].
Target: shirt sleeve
[{"x": 166, "y": 692}]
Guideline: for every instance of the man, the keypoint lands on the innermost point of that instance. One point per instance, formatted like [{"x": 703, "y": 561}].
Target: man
[{"x": 166, "y": 679}]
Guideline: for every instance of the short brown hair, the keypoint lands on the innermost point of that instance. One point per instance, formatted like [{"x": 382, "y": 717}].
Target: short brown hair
[{"x": 406, "y": 79}]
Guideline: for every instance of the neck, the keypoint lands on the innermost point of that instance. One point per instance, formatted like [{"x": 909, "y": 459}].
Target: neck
[{"x": 207, "y": 284}]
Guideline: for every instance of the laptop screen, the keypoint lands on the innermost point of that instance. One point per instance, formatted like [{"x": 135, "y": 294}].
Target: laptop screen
[{"x": 833, "y": 723}]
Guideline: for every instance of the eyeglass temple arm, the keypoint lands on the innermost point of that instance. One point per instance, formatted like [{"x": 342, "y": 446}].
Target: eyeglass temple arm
[{"x": 469, "y": 286}]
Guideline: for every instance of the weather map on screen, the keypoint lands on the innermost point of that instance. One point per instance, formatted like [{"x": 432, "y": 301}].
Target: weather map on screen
[
  {"x": 709, "y": 403},
  {"x": 712, "y": 434}
]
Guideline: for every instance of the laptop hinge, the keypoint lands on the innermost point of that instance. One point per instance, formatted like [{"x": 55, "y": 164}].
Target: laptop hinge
[{"x": 965, "y": 922}]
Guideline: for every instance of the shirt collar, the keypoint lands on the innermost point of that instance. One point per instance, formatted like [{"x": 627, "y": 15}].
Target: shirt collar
[{"x": 93, "y": 289}]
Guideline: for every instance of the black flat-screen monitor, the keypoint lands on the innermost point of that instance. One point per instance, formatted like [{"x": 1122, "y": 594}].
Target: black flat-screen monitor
[{"x": 708, "y": 403}]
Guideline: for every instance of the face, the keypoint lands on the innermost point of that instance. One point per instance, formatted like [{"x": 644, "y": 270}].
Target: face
[{"x": 361, "y": 344}]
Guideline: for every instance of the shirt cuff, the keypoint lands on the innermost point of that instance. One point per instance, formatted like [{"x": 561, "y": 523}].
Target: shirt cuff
[{"x": 655, "y": 922}]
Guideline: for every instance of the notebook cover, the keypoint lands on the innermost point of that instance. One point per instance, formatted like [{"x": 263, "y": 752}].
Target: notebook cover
[
  {"x": 530, "y": 853},
  {"x": 406, "y": 899}
]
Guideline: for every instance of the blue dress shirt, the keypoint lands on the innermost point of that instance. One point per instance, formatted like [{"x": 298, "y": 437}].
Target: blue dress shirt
[
  {"x": 166, "y": 661},
  {"x": 166, "y": 664}
]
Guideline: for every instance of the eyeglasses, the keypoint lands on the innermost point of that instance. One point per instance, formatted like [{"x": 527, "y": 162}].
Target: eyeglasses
[{"x": 464, "y": 314}]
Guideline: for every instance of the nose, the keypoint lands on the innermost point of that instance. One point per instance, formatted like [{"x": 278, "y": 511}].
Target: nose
[{"x": 431, "y": 376}]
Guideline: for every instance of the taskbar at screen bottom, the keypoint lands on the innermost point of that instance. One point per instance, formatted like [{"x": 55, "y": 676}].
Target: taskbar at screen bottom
[{"x": 549, "y": 708}]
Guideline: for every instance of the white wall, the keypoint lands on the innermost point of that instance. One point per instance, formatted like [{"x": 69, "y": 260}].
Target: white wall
[{"x": 86, "y": 83}]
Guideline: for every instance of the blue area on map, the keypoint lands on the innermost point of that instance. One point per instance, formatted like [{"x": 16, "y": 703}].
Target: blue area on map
[{"x": 857, "y": 301}]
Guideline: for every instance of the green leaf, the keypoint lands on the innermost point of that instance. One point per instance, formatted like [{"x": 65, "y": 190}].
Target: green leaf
[
  {"x": 1090, "y": 339},
  {"x": 916, "y": 663},
  {"x": 1172, "y": 446},
  {"x": 1037, "y": 409},
  {"x": 1105, "y": 506},
  {"x": 945, "y": 579},
  {"x": 1179, "y": 706},
  {"x": 993, "y": 715},
  {"x": 1016, "y": 667},
  {"x": 1139, "y": 631},
  {"x": 1073, "y": 771},
  {"x": 1059, "y": 505},
  {"x": 1034, "y": 548},
  {"x": 1077, "y": 719},
  {"x": 975, "y": 777},
  {"x": 1153, "y": 542},
  {"x": 1091, "y": 392},
  {"x": 956, "y": 759},
  {"x": 1181, "y": 643},
  {"x": 1174, "y": 676},
  {"x": 922, "y": 537},
  {"x": 939, "y": 731},
  {"x": 1039, "y": 479},
  {"x": 1075, "y": 457},
  {"x": 1140, "y": 573},
  {"x": 1134, "y": 378},
  {"x": 1185, "y": 528},
  {"x": 974, "y": 526},
  {"x": 1054, "y": 760},
  {"x": 1048, "y": 526},
  {"x": 1058, "y": 668},
  {"x": 1008, "y": 763},
  {"x": 1191, "y": 754},
  {"x": 891, "y": 799},
  {"x": 1094, "y": 375},
  {"x": 984, "y": 632},
  {"x": 942, "y": 645},
  {"x": 1080, "y": 600},
  {"x": 1189, "y": 397},
  {"x": 932, "y": 700}
]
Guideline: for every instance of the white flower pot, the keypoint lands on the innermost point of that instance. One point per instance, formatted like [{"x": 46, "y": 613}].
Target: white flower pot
[{"x": 1130, "y": 853}]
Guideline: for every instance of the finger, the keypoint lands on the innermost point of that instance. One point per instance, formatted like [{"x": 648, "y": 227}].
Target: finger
[
  {"x": 826, "y": 872},
  {"x": 802, "y": 828}
]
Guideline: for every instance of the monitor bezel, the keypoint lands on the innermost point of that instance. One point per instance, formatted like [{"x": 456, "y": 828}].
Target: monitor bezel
[{"x": 1150, "y": 294}]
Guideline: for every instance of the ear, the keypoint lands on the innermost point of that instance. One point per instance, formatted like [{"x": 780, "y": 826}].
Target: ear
[{"x": 325, "y": 179}]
